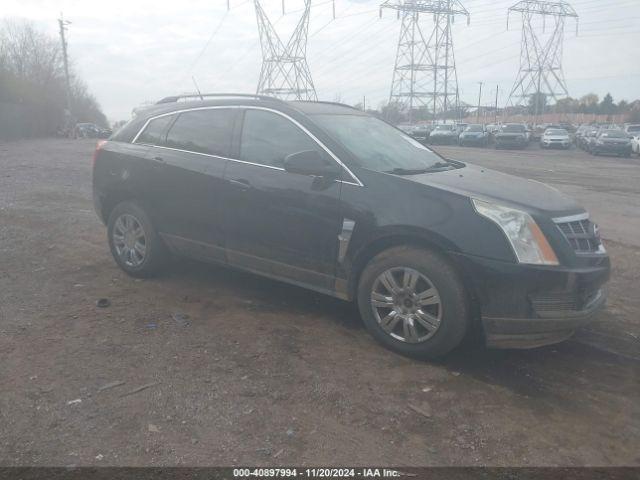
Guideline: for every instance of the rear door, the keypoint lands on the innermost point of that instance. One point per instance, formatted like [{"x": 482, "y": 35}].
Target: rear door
[
  {"x": 190, "y": 166},
  {"x": 283, "y": 224}
]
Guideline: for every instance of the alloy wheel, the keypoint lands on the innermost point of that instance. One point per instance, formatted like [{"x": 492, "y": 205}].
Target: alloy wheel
[
  {"x": 129, "y": 240},
  {"x": 406, "y": 305}
]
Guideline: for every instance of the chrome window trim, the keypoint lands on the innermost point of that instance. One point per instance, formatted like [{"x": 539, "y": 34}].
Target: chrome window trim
[
  {"x": 356, "y": 181},
  {"x": 572, "y": 218}
]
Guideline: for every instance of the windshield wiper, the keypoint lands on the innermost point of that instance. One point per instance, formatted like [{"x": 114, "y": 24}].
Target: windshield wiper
[{"x": 415, "y": 171}]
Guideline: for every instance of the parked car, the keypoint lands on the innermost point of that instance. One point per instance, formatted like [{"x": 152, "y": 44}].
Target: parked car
[
  {"x": 329, "y": 198},
  {"x": 444, "y": 134},
  {"x": 474, "y": 134},
  {"x": 612, "y": 142},
  {"x": 589, "y": 137},
  {"x": 555, "y": 138},
  {"x": 538, "y": 130},
  {"x": 421, "y": 133},
  {"x": 91, "y": 130},
  {"x": 512, "y": 135},
  {"x": 492, "y": 130},
  {"x": 635, "y": 144},
  {"x": 570, "y": 128},
  {"x": 580, "y": 132},
  {"x": 632, "y": 130},
  {"x": 406, "y": 128}
]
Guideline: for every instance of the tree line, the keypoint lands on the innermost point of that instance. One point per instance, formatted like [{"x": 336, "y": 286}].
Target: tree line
[{"x": 33, "y": 87}]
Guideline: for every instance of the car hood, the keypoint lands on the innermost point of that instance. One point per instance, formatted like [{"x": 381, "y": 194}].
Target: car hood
[
  {"x": 615, "y": 140},
  {"x": 443, "y": 132},
  {"x": 555, "y": 137},
  {"x": 510, "y": 134},
  {"x": 487, "y": 184}
]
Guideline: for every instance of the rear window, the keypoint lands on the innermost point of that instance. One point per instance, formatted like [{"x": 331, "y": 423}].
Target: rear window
[
  {"x": 203, "y": 131},
  {"x": 155, "y": 131}
]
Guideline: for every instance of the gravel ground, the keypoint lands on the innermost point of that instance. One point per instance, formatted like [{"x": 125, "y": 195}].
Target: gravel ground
[{"x": 265, "y": 373}]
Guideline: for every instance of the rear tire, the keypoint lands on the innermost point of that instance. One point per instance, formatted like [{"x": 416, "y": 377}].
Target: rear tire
[
  {"x": 135, "y": 245},
  {"x": 421, "y": 328}
]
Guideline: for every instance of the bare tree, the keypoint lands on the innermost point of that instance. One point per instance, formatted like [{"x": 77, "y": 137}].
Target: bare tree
[{"x": 32, "y": 82}]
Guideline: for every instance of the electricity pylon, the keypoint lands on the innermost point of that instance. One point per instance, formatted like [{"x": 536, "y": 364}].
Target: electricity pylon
[
  {"x": 540, "y": 59},
  {"x": 425, "y": 70},
  {"x": 285, "y": 72}
]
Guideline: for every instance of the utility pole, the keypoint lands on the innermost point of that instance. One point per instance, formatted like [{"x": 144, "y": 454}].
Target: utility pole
[
  {"x": 495, "y": 119},
  {"x": 425, "y": 71},
  {"x": 540, "y": 71},
  {"x": 364, "y": 103},
  {"x": 479, "y": 100},
  {"x": 62, "y": 23}
]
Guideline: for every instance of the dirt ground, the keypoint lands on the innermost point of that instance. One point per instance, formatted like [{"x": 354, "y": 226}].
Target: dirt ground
[{"x": 265, "y": 373}]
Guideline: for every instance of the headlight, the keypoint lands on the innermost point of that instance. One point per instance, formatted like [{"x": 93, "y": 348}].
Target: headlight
[{"x": 527, "y": 240}]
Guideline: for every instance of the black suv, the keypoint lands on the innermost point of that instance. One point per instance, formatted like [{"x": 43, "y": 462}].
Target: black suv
[{"x": 326, "y": 197}]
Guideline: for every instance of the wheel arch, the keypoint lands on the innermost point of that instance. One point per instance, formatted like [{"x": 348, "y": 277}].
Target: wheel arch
[
  {"x": 410, "y": 238},
  {"x": 114, "y": 197}
]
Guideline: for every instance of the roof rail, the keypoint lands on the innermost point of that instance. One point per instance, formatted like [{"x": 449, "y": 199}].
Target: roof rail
[
  {"x": 332, "y": 103},
  {"x": 202, "y": 96}
]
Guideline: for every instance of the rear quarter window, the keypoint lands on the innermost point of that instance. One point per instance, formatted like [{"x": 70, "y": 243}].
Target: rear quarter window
[{"x": 155, "y": 131}]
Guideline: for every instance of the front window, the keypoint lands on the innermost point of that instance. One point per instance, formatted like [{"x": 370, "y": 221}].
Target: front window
[
  {"x": 376, "y": 145},
  {"x": 556, "y": 132},
  {"x": 268, "y": 138},
  {"x": 474, "y": 128}
]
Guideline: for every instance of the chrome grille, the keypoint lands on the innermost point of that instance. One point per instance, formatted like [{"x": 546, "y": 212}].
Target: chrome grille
[
  {"x": 581, "y": 234},
  {"x": 555, "y": 302}
]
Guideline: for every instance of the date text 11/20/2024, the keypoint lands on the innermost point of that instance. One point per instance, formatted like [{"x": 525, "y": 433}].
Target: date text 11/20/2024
[{"x": 315, "y": 473}]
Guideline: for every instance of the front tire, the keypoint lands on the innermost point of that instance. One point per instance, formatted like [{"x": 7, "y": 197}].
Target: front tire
[
  {"x": 135, "y": 245},
  {"x": 412, "y": 301}
]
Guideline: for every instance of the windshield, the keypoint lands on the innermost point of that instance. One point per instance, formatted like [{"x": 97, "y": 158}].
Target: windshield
[
  {"x": 614, "y": 134},
  {"x": 375, "y": 144},
  {"x": 446, "y": 128},
  {"x": 474, "y": 128},
  {"x": 513, "y": 128},
  {"x": 556, "y": 131},
  {"x": 633, "y": 128}
]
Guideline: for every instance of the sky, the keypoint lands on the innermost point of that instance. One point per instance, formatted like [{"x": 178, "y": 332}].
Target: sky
[{"x": 135, "y": 51}]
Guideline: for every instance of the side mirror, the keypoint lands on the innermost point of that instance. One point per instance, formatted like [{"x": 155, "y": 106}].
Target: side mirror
[{"x": 310, "y": 162}]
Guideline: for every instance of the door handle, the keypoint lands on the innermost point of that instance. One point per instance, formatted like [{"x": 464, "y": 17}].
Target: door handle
[
  {"x": 242, "y": 183},
  {"x": 159, "y": 159}
]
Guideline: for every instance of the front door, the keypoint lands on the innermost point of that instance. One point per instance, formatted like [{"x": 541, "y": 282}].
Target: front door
[{"x": 278, "y": 223}]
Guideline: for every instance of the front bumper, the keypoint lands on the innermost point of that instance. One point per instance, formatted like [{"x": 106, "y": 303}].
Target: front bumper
[
  {"x": 612, "y": 148},
  {"x": 513, "y": 142},
  {"x": 547, "y": 329},
  {"x": 555, "y": 143},
  {"x": 527, "y": 306},
  {"x": 443, "y": 139},
  {"x": 472, "y": 141}
]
